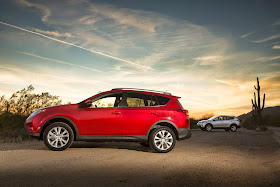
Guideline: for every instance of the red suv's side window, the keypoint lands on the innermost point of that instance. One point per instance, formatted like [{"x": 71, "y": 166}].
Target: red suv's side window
[
  {"x": 136, "y": 100},
  {"x": 141, "y": 100},
  {"x": 162, "y": 100},
  {"x": 112, "y": 100}
]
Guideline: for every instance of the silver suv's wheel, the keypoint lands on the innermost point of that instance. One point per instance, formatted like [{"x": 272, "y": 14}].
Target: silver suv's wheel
[
  {"x": 162, "y": 140},
  {"x": 208, "y": 127},
  {"x": 58, "y": 136},
  {"x": 233, "y": 128}
]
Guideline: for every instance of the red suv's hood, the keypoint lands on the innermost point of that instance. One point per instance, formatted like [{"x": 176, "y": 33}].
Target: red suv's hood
[{"x": 61, "y": 106}]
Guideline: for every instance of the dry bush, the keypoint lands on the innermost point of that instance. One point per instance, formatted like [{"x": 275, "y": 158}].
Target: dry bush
[
  {"x": 15, "y": 110},
  {"x": 24, "y": 102}
]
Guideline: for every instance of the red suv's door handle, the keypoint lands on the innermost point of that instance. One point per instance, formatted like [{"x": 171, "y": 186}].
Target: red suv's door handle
[
  {"x": 154, "y": 113},
  {"x": 116, "y": 112}
]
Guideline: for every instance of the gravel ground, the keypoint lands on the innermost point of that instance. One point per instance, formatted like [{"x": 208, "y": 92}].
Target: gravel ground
[{"x": 216, "y": 158}]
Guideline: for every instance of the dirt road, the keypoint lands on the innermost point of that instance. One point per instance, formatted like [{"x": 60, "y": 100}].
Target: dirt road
[{"x": 215, "y": 158}]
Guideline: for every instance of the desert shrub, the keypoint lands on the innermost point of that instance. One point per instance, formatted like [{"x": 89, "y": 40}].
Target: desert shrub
[
  {"x": 14, "y": 111},
  {"x": 261, "y": 128},
  {"x": 193, "y": 123},
  {"x": 24, "y": 102},
  {"x": 11, "y": 127},
  {"x": 251, "y": 123},
  {"x": 275, "y": 121},
  {"x": 271, "y": 121}
]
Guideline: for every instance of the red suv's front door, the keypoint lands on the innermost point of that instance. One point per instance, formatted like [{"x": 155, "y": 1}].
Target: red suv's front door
[{"x": 103, "y": 117}]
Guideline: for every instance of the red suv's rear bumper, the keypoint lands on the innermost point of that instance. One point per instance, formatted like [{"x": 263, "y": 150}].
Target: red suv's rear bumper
[{"x": 184, "y": 133}]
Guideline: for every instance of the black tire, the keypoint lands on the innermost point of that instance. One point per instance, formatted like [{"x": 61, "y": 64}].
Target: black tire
[
  {"x": 59, "y": 137},
  {"x": 154, "y": 134},
  {"x": 233, "y": 128},
  {"x": 208, "y": 127},
  {"x": 226, "y": 129},
  {"x": 144, "y": 144},
  {"x": 203, "y": 129}
]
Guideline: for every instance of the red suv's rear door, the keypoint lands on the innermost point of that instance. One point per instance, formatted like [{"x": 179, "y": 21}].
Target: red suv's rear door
[
  {"x": 139, "y": 114},
  {"x": 137, "y": 120}
]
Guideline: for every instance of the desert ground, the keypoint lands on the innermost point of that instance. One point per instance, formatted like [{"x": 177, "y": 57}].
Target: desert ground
[{"x": 216, "y": 158}]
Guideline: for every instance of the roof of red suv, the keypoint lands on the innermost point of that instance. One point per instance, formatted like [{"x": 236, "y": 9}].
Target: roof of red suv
[
  {"x": 160, "y": 93},
  {"x": 155, "y": 92}
]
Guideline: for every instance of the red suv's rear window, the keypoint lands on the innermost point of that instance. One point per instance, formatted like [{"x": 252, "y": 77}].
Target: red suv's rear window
[
  {"x": 180, "y": 104},
  {"x": 163, "y": 100}
]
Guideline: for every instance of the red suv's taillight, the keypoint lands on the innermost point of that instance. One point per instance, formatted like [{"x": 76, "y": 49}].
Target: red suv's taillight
[{"x": 184, "y": 111}]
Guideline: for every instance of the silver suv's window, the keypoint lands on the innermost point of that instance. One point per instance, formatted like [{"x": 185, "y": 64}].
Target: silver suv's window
[{"x": 219, "y": 118}]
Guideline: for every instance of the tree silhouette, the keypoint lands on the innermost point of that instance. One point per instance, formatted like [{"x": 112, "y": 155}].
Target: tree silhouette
[{"x": 24, "y": 102}]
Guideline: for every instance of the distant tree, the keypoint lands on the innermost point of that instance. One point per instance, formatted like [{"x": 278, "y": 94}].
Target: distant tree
[
  {"x": 3, "y": 104},
  {"x": 207, "y": 115},
  {"x": 24, "y": 102},
  {"x": 193, "y": 123}
]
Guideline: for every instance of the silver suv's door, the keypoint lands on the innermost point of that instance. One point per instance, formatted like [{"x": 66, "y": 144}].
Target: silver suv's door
[
  {"x": 217, "y": 122},
  {"x": 225, "y": 122}
]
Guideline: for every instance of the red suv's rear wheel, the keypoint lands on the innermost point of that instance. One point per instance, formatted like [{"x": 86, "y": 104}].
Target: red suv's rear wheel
[
  {"x": 162, "y": 139},
  {"x": 58, "y": 136}
]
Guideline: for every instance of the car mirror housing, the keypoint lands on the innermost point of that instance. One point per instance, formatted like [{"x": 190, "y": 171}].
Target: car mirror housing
[{"x": 86, "y": 104}]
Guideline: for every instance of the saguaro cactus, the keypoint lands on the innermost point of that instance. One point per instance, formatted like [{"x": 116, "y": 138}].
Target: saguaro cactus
[{"x": 257, "y": 109}]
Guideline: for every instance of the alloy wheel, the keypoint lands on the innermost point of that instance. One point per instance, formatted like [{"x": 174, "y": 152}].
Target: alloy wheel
[
  {"x": 163, "y": 140},
  {"x": 58, "y": 137},
  {"x": 233, "y": 128},
  {"x": 208, "y": 127}
]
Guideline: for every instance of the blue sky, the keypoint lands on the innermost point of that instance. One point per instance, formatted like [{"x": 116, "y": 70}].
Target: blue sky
[{"x": 207, "y": 52}]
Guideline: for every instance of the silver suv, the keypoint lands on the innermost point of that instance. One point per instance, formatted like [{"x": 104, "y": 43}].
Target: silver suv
[{"x": 220, "y": 122}]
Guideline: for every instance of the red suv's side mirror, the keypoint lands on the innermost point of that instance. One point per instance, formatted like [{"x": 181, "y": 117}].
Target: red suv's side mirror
[{"x": 86, "y": 104}]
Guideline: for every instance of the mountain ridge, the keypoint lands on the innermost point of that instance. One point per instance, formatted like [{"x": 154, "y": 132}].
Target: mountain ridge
[{"x": 272, "y": 111}]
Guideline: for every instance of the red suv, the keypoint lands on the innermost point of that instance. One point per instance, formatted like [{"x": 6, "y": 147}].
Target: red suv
[{"x": 153, "y": 118}]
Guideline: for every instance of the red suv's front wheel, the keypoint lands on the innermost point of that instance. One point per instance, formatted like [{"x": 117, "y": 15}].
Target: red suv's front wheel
[
  {"x": 58, "y": 136},
  {"x": 162, "y": 139}
]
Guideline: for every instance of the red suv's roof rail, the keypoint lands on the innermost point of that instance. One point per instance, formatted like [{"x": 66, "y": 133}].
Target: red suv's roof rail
[{"x": 139, "y": 89}]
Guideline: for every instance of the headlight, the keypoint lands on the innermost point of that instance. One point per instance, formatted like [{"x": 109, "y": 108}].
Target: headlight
[{"x": 37, "y": 112}]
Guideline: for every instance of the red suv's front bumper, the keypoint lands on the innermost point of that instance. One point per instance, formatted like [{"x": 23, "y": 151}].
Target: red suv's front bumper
[{"x": 29, "y": 130}]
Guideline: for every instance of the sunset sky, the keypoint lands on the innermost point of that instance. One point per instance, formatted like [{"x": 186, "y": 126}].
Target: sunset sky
[{"x": 207, "y": 52}]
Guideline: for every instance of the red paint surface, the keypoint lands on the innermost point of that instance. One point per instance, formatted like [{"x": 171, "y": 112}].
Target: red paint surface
[{"x": 114, "y": 120}]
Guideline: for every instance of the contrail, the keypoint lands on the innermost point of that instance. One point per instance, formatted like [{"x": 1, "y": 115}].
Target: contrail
[
  {"x": 50, "y": 59},
  {"x": 37, "y": 56},
  {"x": 71, "y": 44},
  {"x": 57, "y": 77}
]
